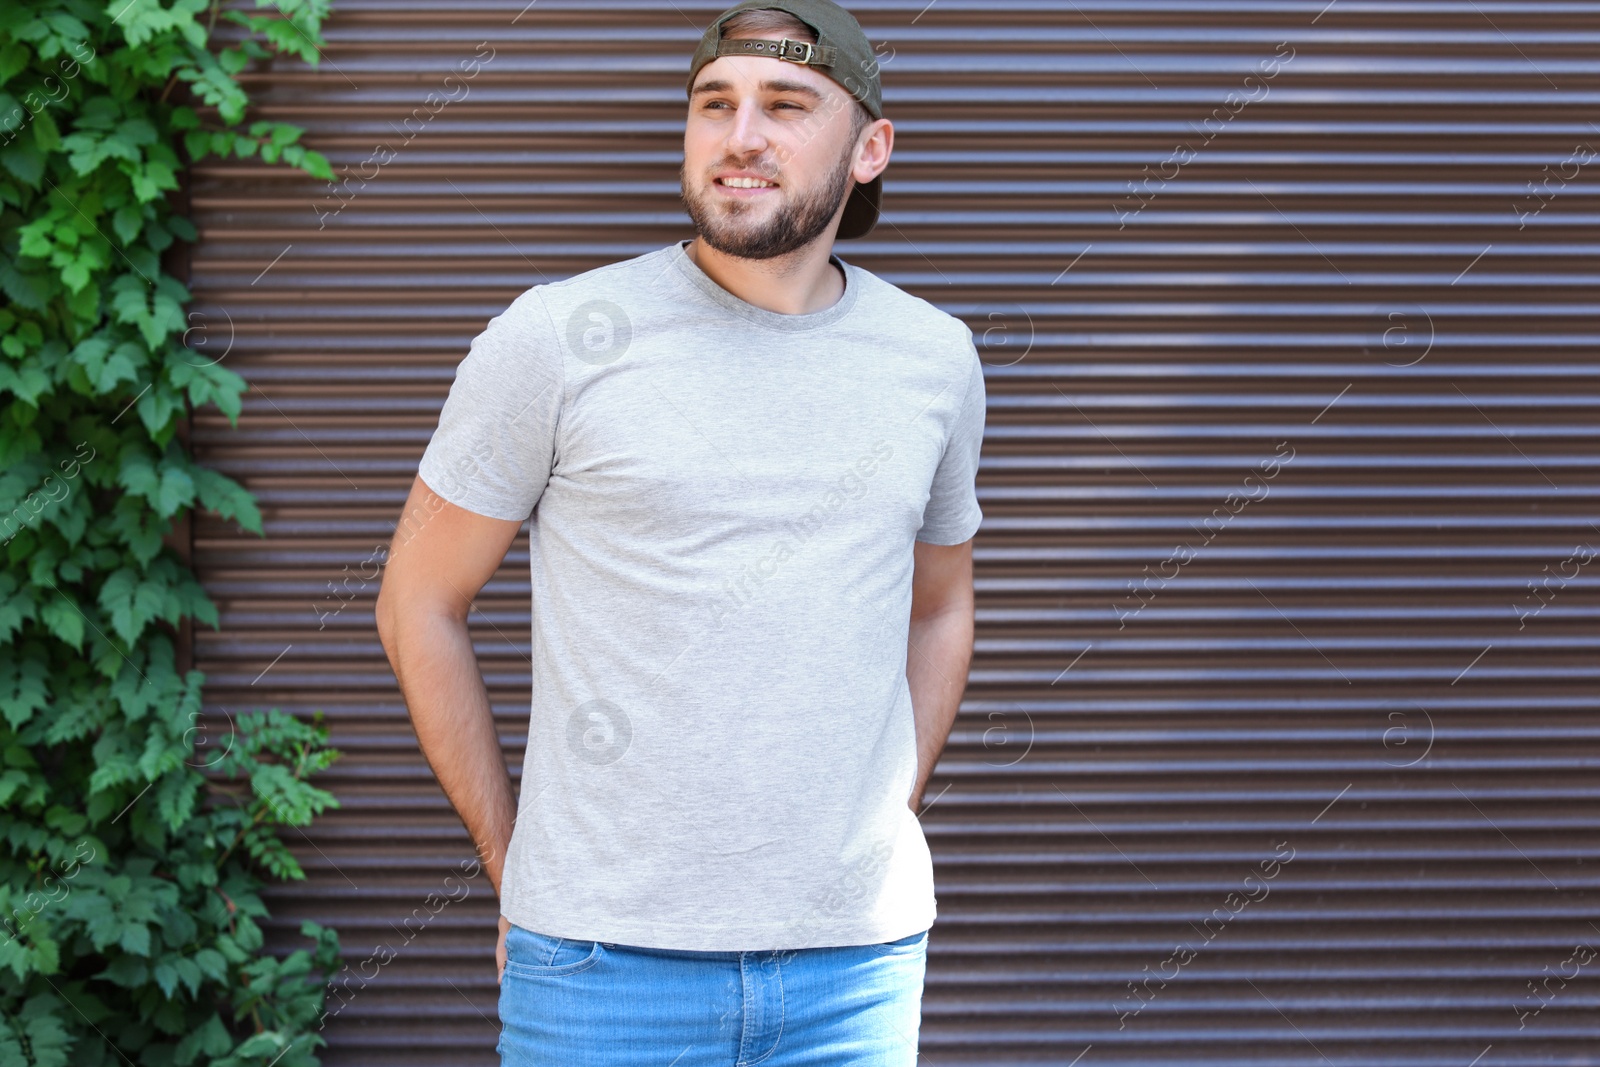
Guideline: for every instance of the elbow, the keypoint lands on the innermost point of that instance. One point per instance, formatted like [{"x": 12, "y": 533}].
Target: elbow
[
  {"x": 383, "y": 613},
  {"x": 958, "y": 605},
  {"x": 396, "y": 615}
]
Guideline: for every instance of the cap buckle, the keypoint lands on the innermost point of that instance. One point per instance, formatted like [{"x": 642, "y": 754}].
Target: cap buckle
[{"x": 807, "y": 51}]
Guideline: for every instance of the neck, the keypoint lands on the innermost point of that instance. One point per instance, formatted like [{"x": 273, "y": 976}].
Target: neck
[{"x": 800, "y": 283}]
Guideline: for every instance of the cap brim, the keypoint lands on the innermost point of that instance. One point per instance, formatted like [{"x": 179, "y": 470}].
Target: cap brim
[{"x": 861, "y": 210}]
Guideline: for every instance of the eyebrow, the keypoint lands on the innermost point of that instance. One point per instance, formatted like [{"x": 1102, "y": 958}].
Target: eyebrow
[{"x": 722, "y": 85}]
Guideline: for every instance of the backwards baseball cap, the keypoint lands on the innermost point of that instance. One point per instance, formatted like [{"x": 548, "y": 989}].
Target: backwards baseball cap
[{"x": 841, "y": 52}]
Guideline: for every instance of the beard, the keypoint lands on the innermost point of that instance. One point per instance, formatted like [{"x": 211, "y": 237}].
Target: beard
[{"x": 731, "y": 228}]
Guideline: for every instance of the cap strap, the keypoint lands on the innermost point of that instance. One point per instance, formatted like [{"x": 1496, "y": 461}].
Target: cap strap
[{"x": 802, "y": 52}]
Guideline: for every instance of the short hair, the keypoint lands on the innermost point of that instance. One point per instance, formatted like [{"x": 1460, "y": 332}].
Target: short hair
[{"x": 761, "y": 21}]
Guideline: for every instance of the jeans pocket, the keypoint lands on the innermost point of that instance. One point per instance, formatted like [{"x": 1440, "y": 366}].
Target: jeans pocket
[
  {"x": 909, "y": 945},
  {"x": 530, "y": 954}
]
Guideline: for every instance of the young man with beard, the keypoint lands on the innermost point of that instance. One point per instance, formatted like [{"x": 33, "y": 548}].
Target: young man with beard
[{"x": 750, "y": 470}]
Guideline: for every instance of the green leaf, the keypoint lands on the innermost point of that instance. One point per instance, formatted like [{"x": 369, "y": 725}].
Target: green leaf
[
  {"x": 47, "y": 1037},
  {"x": 189, "y": 974},
  {"x": 137, "y": 527},
  {"x": 266, "y": 1044},
  {"x": 11, "y": 782},
  {"x": 127, "y": 221},
  {"x": 77, "y": 716},
  {"x": 76, "y": 274},
  {"x": 63, "y": 618},
  {"x": 138, "y": 474},
  {"x": 131, "y": 601},
  {"x": 66, "y": 26},
  {"x": 211, "y": 964},
  {"x": 144, "y": 22},
  {"x": 150, "y": 178},
  {"x": 24, "y": 160},
  {"x": 130, "y": 972},
  {"x": 166, "y": 976},
  {"x": 135, "y": 938},
  {"x": 211, "y": 1038},
  {"x": 156, "y": 313},
  {"x": 136, "y": 131},
  {"x": 156, "y": 409},
  {"x": 45, "y": 133},
  {"x": 315, "y": 164},
  {"x": 159, "y": 937},
  {"x": 28, "y": 380},
  {"x": 206, "y": 379},
  {"x": 221, "y": 494},
  {"x": 14, "y": 56},
  {"x": 182, "y": 228},
  {"x": 34, "y": 239},
  {"x": 14, "y": 610},
  {"x": 106, "y": 366},
  {"x": 28, "y": 289},
  {"x": 87, "y": 149},
  {"x": 24, "y": 688},
  {"x": 176, "y": 799}
]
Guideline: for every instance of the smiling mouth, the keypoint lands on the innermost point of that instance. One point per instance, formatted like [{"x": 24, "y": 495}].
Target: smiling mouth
[{"x": 744, "y": 185}]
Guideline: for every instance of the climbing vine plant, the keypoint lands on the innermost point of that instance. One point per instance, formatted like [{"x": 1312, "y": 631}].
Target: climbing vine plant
[{"x": 135, "y": 834}]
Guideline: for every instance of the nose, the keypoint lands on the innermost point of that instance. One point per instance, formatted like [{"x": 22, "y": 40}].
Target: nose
[{"x": 745, "y": 136}]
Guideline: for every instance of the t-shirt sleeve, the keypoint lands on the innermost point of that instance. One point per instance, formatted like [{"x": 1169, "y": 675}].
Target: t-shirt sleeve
[
  {"x": 952, "y": 515},
  {"x": 492, "y": 450}
]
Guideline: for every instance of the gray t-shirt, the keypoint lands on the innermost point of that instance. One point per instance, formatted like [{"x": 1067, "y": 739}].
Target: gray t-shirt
[{"x": 723, "y": 504}]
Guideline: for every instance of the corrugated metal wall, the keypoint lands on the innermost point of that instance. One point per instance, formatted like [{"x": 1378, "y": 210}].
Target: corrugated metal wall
[{"x": 1280, "y": 745}]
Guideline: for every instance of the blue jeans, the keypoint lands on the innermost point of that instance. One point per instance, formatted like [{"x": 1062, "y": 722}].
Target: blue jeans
[{"x": 567, "y": 1003}]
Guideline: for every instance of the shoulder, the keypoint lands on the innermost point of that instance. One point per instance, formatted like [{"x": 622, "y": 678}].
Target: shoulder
[
  {"x": 586, "y": 315},
  {"x": 938, "y": 345},
  {"x": 937, "y": 330},
  {"x": 620, "y": 283}
]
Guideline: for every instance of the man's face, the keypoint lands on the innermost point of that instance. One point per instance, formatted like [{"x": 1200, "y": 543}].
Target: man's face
[{"x": 785, "y": 125}]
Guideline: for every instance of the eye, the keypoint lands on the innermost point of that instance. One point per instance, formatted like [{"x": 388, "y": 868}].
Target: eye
[{"x": 722, "y": 105}]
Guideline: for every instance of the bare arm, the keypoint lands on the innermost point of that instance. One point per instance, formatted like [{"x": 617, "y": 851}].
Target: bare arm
[
  {"x": 440, "y": 558},
  {"x": 939, "y": 648}
]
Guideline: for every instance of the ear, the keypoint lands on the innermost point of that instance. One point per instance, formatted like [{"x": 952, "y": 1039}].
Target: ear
[{"x": 872, "y": 157}]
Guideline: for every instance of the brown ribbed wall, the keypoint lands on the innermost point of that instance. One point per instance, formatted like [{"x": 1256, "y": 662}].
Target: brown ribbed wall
[{"x": 1349, "y": 674}]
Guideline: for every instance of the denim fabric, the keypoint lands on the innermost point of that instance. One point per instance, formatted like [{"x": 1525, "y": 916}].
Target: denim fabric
[{"x": 575, "y": 1003}]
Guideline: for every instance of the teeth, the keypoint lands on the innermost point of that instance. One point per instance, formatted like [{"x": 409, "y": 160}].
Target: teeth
[{"x": 746, "y": 183}]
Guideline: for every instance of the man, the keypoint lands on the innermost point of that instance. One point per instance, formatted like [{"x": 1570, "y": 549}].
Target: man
[{"x": 750, "y": 470}]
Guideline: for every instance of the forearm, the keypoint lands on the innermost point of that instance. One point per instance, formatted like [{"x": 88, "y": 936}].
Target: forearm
[
  {"x": 433, "y": 659},
  {"x": 938, "y": 653}
]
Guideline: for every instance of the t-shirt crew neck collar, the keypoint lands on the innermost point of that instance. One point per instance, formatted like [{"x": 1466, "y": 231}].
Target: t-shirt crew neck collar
[{"x": 774, "y": 320}]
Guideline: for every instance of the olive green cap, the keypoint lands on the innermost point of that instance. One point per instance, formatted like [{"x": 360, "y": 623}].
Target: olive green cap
[{"x": 841, "y": 52}]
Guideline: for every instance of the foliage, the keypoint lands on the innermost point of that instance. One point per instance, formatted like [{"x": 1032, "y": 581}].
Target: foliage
[{"x": 129, "y": 865}]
